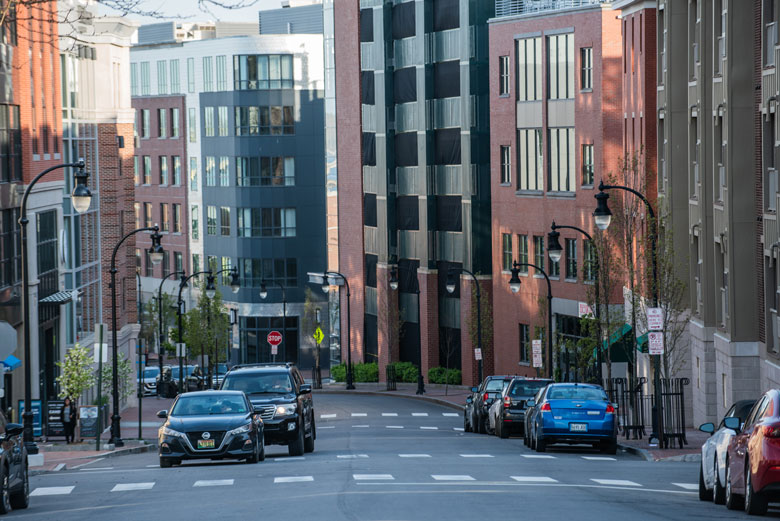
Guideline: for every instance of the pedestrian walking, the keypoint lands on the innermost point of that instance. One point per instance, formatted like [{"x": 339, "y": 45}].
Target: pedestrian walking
[{"x": 68, "y": 413}]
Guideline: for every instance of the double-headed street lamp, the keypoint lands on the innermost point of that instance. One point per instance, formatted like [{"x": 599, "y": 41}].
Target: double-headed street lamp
[
  {"x": 235, "y": 285},
  {"x": 210, "y": 292},
  {"x": 554, "y": 250},
  {"x": 451, "y": 289},
  {"x": 514, "y": 285},
  {"x": 160, "y": 324},
  {"x": 81, "y": 197},
  {"x": 325, "y": 288},
  {"x": 394, "y": 286},
  {"x": 263, "y": 295},
  {"x": 603, "y": 217},
  {"x": 156, "y": 256}
]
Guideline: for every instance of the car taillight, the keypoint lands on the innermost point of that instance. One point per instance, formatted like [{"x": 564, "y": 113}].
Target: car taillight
[
  {"x": 610, "y": 409},
  {"x": 486, "y": 397},
  {"x": 546, "y": 407},
  {"x": 771, "y": 431},
  {"x": 507, "y": 401}
]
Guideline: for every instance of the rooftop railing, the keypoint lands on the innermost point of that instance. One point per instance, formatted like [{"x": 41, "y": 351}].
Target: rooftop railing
[{"x": 515, "y": 7}]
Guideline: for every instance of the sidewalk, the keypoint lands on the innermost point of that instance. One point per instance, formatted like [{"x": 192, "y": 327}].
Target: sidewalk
[
  {"x": 453, "y": 397},
  {"x": 690, "y": 452}
]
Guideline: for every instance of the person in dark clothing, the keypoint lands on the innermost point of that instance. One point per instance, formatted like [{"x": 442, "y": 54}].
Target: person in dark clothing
[{"x": 68, "y": 413}]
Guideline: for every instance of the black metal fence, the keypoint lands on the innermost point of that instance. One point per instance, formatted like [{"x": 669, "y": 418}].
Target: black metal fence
[{"x": 391, "y": 378}]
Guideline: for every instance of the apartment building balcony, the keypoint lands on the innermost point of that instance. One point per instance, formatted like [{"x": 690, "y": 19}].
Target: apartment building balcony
[{"x": 519, "y": 7}]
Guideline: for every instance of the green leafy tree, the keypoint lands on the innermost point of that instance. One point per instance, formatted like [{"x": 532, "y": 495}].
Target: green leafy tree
[
  {"x": 206, "y": 328},
  {"x": 150, "y": 330},
  {"x": 76, "y": 374},
  {"x": 125, "y": 376}
]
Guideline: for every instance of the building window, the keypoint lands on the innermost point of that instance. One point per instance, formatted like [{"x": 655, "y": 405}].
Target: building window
[
  {"x": 194, "y": 174},
  {"x": 176, "y": 218},
  {"x": 145, "y": 79},
  {"x": 589, "y": 262},
  {"x": 560, "y": 66},
  {"x": 506, "y": 164},
  {"x": 175, "y": 83},
  {"x": 553, "y": 269},
  {"x": 11, "y": 140},
  {"x": 148, "y": 266},
  {"x": 133, "y": 79},
  {"x": 222, "y": 83},
  {"x": 190, "y": 75},
  {"x": 587, "y": 165},
  {"x": 145, "y": 123},
  {"x": 166, "y": 263},
  {"x": 211, "y": 221},
  {"x": 10, "y": 244},
  {"x": 162, "y": 77},
  {"x": 529, "y": 69},
  {"x": 265, "y": 171},
  {"x": 224, "y": 220},
  {"x": 163, "y": 170},
  {"x": 561, "y": 159},
  {"x": 138, "y": 260},
  {"x": 147, "y": 215},
  {"x": 176, "y": 164},
  {"x": 266, "y": 222},
  {"x": 530, "y": 159},
  {"x": 211, "y": 171},
  {"x": 224, "y": 171},
  {"x": 208, "y": 120},
  {"x": 539, "y": 250},
  {"x": 178, "y": 263},
  {"x": 503, "y": 75},
  {"x": 522, "y": 252},
  {"x": 272, "y": 120},
  {"x": 261, "y": 72},
  {"x": 208, "y": 74},
  {"x": 222, "y": 121},
  {"x": 586, "y": 68},
  {"x": 255, "y": 271},
  {"x": 192, "y": 126},
  {"x": 195, "y": 263},
  {"x": 525, "y": 342},
  {"x": 194, "y": 224},
  {"x": 137, "y": 211},
  {"x": 506, "y": 251},
  {"x": 571, "y": 259},
  {"x": 147, "y": 170},
  {"x": 174, "y": 123},
  {"x": 164, "y": 223},
  {"x": 136, "y": 171}
]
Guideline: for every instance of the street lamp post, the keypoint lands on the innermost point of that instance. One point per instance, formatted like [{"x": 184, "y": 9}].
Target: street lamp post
[
  {"x": 160, "y": 325},
  {"x": 156, "y": 255},
  {"x": 325, "y": 289},
  {"x": 141, "y": 366},
  {"x": 263, "y": 295},
  {"x": 514, "y": 285},
  {"x": 554, "y": 250},
  {"x": 451, "y": 289},
  {"x": 394, "y": 286},
  {"x": 210, "y": 292},
  {"x": 81, "y": 198},
  {"x": 603, "y": 217},
  {"x": 235, "y": 285}
]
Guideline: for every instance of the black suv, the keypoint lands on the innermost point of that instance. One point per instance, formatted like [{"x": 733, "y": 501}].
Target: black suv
[
  {"x": 284, "y": 402},
  {"x": 475, "y": 414}
]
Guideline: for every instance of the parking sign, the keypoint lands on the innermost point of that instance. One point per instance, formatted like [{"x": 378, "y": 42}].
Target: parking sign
[{"x": 655, "y": 342}]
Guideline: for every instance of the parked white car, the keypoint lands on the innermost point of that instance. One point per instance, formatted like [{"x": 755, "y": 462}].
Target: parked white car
[
  {"x": 150, "y": 380},
  {"x": 712, "y": 473}
]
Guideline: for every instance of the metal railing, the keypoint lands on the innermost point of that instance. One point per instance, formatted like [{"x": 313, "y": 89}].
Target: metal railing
[
  {"x": 390, "y": 378},
  {"x": 515, "y": 7}
]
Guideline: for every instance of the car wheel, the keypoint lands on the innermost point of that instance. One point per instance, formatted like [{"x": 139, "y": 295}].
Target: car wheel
[
  {"x": 466, "y": 426},
  {"x": 540, "y": 445},
  {"x": 255, "y": 457},
  {"x": 308, "y": 443},
  {"x": 21, "y": 498},
  {"x": 165, "y": 463},
  {"x": 503, "y": 432},
  {"x": 732, "y": 500},
  {"x": 482, "y": 425},
  {"x": 755, "y": 502},
  {"x": 718, "y": 490},
  {"x": 704, "y": 493},
  {"x": 295, "y": 447},
  {"x": 532, "y": 440},
  {"x": 262, "y": 449}
]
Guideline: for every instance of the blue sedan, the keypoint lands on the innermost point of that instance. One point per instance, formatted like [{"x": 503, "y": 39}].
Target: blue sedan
[{"x": 573, "y": 413}]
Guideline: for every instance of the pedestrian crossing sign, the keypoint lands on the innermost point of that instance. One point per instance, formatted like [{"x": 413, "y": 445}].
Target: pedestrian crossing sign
[{"x": 318, "y": 336}]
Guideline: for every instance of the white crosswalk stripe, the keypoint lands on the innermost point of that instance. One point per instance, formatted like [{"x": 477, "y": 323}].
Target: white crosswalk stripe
[
  {"x": 419, "y": 414},
  {"x": 351, "y": 456},
  {"x": 213, "y": 483},
  {"x": 360, "y": 426},
  {"x": 394, "y": 426},
  {"x": 359, "y": 414},
  {"x": 374, "y": 477},
  {"x": 428, "y": 428},
  {"x": 599, "y": 458},
  {"x": 123, "y": 487},
  {"x": 616, "y": 482},
  {"x": 326, "y": 427},
  {"x": 452, "y": 414},
  {"x": 534, "y": 479},
  {"x": 52, "y": 491},
  {"x": 476, "y": 455},
  {"x": 452, "y": 477},
  {"x": 326, "y": 416},
  {"x": 414, "y": 455},
  {"x": 458, "y": 429},
  {"x": 687, "y": 486},
  {"x": 294, "y": 458},
  {"x": 538, "y": 456},
  {"x": 293, "y": 479},
  {"x": 389, "y": 414}
]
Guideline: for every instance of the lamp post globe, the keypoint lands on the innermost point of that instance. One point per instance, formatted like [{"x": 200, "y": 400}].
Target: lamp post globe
[
  {"x": 156, "y": 251},
  {"x": 235, "y": 283},
  {"x": 210, "y": 289},
  {"x": 325, "y": 286},
  {"x": 393, "y": 279},
  {"x": 263, "y": 290},
  {"x": 81, "y": 196},
  {"x": 450, "y": 282},
  {"x": 515, "y": 282},
  {"x": 602, "y": 215}
]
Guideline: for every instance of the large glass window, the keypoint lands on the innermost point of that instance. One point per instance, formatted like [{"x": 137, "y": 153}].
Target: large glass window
[
  {"x": 561, "y": 160},
  {"x": 265, "y": 171},
  {"x": 145, "y": 79},
  {"x": 266, "y": 222},
  {"x": 147, "y": 214},
  {"x": 163, "y": 170},
  {"x": 586, "y": 68},
  {"x": 261, "y": 72},
  {"x": 254, "y": 271},
  {"x": 560, "y": 66},
  {"x": 222, "y": 121},
  {"x": 503, "y": 75},
  {"x": 162, "y": 77},
  {"x": 211, "y": 171},
  {"x": 506, "y": 164},
  {"x": 222, "y": 73},
  {"x": 208, "y": 121},
  {"x": 522, "y": 252},
  {"x": 211, "y": 221},
  {"x": 571, "y": 259},
  {"x": 529, "y": 69},
  {"x": 194, "y": 174},
  {"x": 175, "y": 83},
  {"x": 174, "y": 122},
  {"x": 224, "y": 171},
  {"x": 589, "y": 262},
  {"x": 10, "y": 243},
  {"x": 539, "y": 250},
  {"x": 147, "y": 170},
  {"x": 194, "y": 223},
  {"x": 273, "y": 120},
  {"x": 190, "y": 75},
  {"x": 176, "y": 218},
  {"x": 145, "y": 123},
  {"x": 192, "y": 125},
  {"x": 208, "y": 74},
  {"x": 164, "y": 223},
  {"x": 224, "y": 220},
  {"x": 587, "y": 165},
  {"x": 506, "y": 251},
  {"x": 176, "y": 167},
  {"x": 10, "y": 144},
  {"x": 530, "y": 159},
  {"x": 133, "y": 79}
]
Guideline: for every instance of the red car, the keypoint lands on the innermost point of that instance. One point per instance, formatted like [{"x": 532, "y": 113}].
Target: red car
[{"x": 753, "y": 459}]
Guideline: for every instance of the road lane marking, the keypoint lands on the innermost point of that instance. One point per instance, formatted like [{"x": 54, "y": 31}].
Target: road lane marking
[
  {"x": 534, "y": 479},
  {"x": 294, "y": 458},
  {"x": 414, "y": 455},
  {"x": 394, "y": 426},
  {"x": 389, "y": 414},
  {"x": 213, "y": 483},
  {"x": 476, "y": 455},
  {"x": 360, "y": 426},
  {"x": 52, "y": 491},
  {"x": 458, "y": 429},
  {"x": 87, "y": 463},
  {"x": 153, "y": 466},
  {"x": 513, "y": 484},
  {"x": 616, "y": 482},
  {"x": 351, "y": 456},
  {"x": 293, "y": 479},
  {"x": 326, "y": 426},
  {"x": 419, "y": 414},
  {"x": 59, "y": 467},
  {"x": 538, "y": 456},
  {"x": 452, "y": 477},
  {"x": 98, "y": 468},
  {"x": 326, "y": 416},
  {"x": 122, "y": 487},
  {"x": 359, "y": 414},
  {"x": 425, "y": 428},
  {"x": 454, "y": 414},
  {"x": 601, "y": 458},
  {"x": 372, "y": 477},
  {"x": 687, "y": 486}
]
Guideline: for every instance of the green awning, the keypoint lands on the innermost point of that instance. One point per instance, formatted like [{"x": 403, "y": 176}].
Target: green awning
[
  {"x": 617, "y": 336},
  {"x": 641, "y": 343},
  {"x": 618, "y": 341}
]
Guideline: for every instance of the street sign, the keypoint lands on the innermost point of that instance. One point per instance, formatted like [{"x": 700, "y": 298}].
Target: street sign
[
  {"x": 181, "y": 350},
  {"x": 318, "y": 336},
  {"x": 536, "y": 346},
  {"x": 100, "y": 351},
  {"x": 537, "y": 360},
  {"x": 477, "y": 354},
  {"x": 655, "y": 342},
  {"x": 655, "y": 319},
  {"x": 274, "y": 350},
  {"x": 274, "y": 338},
  {"x": 584, "y": 310}
]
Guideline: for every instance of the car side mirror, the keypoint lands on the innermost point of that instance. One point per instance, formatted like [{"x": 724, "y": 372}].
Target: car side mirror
[
  {"x": 13, "y": 429},
  {"x": 474, "y": 389},
  {"x": 733, "y": 423},
  {"x": 709, "y": 428},
  {"x": 305, "y": 389},
  {"x": 469, "y": 399},
  {"x": 615, "y": 406},
  {"x": 162, "y": 414},
  {"x": 530, "y": 403}
]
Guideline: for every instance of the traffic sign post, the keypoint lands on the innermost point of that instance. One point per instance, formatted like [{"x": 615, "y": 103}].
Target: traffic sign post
[
  {"x": 318, "y": 335},
  {"x": 655, "y": 319},
  {"x": 655, "y": 343},
  {"x": 536, "y": 350},
  {"x": 274, "y": 338},
  {"x": 477, "y": 354}
]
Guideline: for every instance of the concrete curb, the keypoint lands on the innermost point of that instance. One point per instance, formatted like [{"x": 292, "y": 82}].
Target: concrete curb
[
  {"x": 636, "y": 451},
  {"x": 648, "y": 456},
  {"x": 111, "y": 454},
  {"x": 423, "y": 398}
]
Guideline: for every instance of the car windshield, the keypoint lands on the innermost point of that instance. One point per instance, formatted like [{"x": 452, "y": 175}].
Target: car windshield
[
  {"x": 151, "y": 372},
  {"x": 212, "y": 403},
  {"x": 254, "y": 383},
  {"x": 495, "y": 385},
  {"x": 525, "y": 388},
  {"x": 576, "y": 393},
  {"x": 221, "y": 368},
  {"x": 188, "y": 370}
]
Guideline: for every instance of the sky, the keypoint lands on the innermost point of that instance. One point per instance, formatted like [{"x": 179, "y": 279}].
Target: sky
[{"x": 179, "y": 9}]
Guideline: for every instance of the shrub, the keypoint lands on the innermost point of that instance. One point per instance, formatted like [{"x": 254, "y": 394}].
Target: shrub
[
  {"x": 454, "y": 377},
  {"x": 339, "y": 372},
  {"x": 366, "y": 372},
  {"x": 405, "y": 372},
  {"x": 440, "y": 375}
]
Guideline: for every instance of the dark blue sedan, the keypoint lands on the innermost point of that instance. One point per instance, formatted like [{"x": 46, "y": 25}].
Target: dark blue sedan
[{"x": 574, "y": 414}]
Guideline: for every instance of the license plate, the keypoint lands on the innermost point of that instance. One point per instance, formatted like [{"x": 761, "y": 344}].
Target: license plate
[
  {"x": 205, "y": 444},
  {"x": 578, "y": 427}
]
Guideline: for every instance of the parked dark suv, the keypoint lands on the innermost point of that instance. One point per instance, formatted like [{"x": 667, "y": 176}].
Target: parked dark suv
[{"x": 284, "y": 401}]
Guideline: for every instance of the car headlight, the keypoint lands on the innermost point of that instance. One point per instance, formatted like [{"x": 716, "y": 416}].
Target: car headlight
[
  {"x": 167, "y": 431},
  {"x": 240, "y": 430},
  {"x": 286, "y": 409}
]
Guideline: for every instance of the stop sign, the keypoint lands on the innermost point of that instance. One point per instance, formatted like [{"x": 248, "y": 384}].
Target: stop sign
[{"x": 274, "y": 338}]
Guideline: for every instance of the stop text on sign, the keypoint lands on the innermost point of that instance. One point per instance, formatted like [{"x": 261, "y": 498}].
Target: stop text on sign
[{"x": 274, "y": 338}]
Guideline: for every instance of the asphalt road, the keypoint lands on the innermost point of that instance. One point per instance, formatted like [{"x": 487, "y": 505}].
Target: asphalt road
[{"x": 380, "y": 458}]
